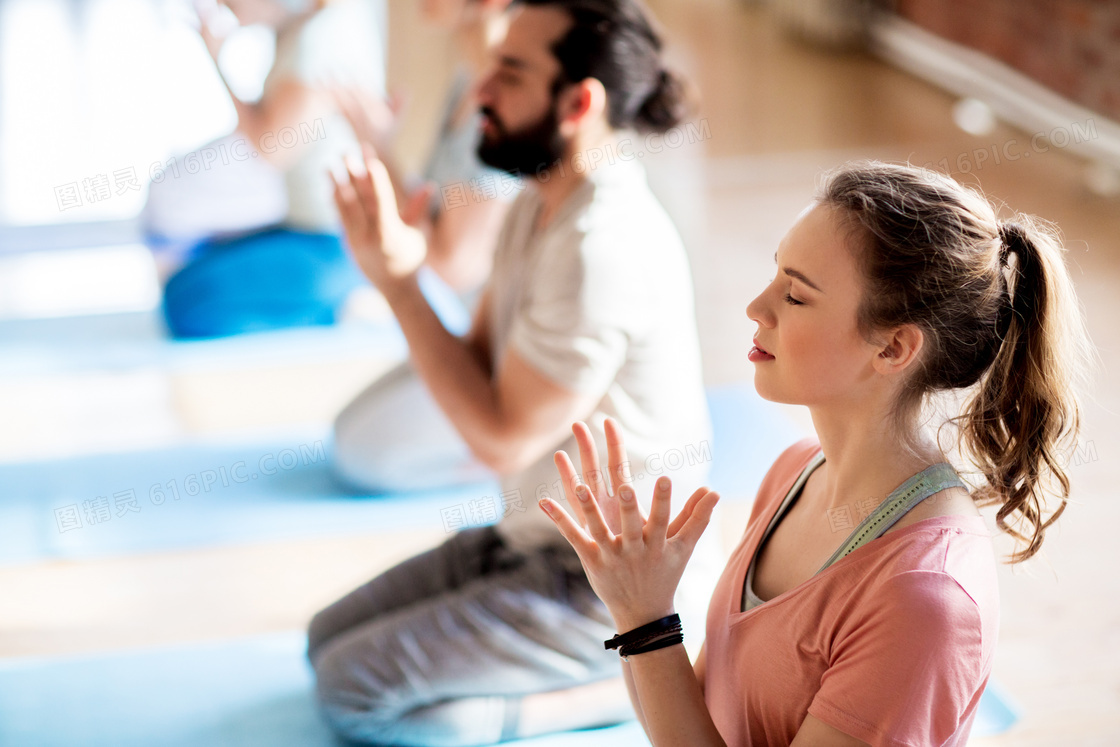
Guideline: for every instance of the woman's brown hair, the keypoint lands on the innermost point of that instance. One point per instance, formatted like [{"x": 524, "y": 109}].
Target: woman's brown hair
[{"x": 999, "y": 316}]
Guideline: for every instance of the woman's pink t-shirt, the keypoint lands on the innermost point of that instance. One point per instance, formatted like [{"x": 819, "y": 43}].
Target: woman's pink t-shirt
[{"x": 891, "y": 644}]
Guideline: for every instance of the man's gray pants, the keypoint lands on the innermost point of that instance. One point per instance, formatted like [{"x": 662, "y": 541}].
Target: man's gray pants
[{"x": 439, "y": 650}]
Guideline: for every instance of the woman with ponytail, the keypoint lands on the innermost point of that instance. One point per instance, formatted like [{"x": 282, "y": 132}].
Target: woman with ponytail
[{"x": 861, "y": 605}]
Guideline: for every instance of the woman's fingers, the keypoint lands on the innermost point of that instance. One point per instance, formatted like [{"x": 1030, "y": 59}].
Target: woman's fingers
[
  {"x": 570, "y": 479},
  {"x": 697, "y": 521},
  {"x": 571, "y": 531},
  {"x": 617, "y": 464},
  {"x": 660, "y": 510},
  {"x": 589, "y": 460},
  {"x": 568, "y": 475},
  {"x": 633, "y": 523},
  {"x": 596, "y": 524},
  {"x": 689, "y": 507}
]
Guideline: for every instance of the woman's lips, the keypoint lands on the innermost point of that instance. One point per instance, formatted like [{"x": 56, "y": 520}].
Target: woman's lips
[{"x": 758, "y": 354}]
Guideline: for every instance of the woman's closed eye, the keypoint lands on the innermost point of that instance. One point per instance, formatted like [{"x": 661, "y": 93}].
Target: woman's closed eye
[{"x": 790, "y": 299}]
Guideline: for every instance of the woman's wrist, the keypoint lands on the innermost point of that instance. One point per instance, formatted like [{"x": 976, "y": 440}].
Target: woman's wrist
[
  {"x": 625, "y": 621},
  {"x": 653, "y": 636}
]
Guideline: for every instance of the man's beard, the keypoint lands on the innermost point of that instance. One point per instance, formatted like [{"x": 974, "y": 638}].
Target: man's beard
[{"x": 527, "y": 152}]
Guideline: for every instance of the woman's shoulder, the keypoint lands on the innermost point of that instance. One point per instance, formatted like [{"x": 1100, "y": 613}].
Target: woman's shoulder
[
  {"x": 783, "y": 473},
  {"x": 944, "y": 565},
  {"x": 793, "y": 460}
]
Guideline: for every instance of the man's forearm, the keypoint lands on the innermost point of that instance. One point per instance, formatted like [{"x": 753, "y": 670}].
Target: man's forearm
[{"x": 457, "y": 379}]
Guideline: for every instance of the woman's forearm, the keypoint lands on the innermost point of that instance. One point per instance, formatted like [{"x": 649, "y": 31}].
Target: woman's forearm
[
  {"x": 668, "y": 699},
  {"x": 248, "y": 117},
  {"x": 635, "y": 564},
  {"x": 628, "y": 677}
]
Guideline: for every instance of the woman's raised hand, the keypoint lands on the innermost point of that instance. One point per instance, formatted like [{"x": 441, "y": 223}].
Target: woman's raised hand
[
  {"x": 215, "y": 24},
  {"x": 373, "y": 118},
  {"x": 634, "y": 562}
]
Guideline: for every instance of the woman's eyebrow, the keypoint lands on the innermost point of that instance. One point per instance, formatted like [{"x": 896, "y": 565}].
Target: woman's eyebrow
[{"x": 799, "y": 275}]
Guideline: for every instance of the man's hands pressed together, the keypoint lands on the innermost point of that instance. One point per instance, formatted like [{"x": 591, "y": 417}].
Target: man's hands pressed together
[{"x": 385, "y": 240}]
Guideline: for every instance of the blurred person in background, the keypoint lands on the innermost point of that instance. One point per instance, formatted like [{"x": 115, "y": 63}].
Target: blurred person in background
[{"x": 258, "y": 232}]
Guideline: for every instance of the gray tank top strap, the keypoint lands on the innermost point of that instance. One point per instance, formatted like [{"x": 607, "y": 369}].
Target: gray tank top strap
[
  {"x": 751, "y": 600},
  {"x": 932, "y": 479}
]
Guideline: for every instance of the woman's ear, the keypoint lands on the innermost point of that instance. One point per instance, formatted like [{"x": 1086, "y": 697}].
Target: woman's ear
[{"x": 902, "y": 348}]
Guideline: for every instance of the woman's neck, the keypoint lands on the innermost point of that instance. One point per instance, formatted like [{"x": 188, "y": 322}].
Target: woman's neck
[{"x": 865, "y": 457}]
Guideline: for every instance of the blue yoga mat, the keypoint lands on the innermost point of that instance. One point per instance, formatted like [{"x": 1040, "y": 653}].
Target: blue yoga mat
[
  {"x": 128, "y": 341},
  {"x": 255, "y": 691},
  {"x": 213, "y": 493},
  {"x": 250, "y": 692},
  {"x": 997, "y": 713},
  {"x": 197, "y": 495}
]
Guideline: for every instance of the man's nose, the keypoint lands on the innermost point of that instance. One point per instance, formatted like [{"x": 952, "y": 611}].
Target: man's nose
[{"x": 484, "y": 94}]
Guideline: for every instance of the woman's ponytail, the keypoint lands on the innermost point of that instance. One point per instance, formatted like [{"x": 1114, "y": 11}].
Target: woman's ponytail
[
  {"x": 1024, "y": 418},
  {"x": 1002, "y": 325}
]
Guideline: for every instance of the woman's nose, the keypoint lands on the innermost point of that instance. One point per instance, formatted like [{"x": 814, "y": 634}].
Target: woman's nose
[{"x": 757, "y": 310}]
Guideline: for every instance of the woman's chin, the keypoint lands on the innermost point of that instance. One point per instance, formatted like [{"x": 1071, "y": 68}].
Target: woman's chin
[{"x": 764, "y": 389}]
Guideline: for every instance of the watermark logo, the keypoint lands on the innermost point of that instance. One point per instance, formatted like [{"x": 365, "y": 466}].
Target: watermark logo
[
  {"x": 1014, "y": 149},
  {"x": 101, "y": 509},
  {"x": 484, "y": 510},
  {"x": 101, "y": 187},
  {"x": 481, "y": 511}
]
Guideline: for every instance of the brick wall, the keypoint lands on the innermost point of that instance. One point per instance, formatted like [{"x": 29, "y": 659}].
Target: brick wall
[{"x": 1070, "y": 46}]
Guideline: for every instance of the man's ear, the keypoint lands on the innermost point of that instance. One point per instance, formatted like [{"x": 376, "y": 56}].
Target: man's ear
[
  {"x": 580, "y": 103},
  {"x": 900, "y": 350}
]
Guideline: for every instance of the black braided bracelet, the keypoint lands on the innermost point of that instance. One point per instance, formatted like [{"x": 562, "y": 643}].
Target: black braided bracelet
[
  {"x": 644, "y": 648},
  {"x": 638, "y": 643},
  {"x": 665, "y": 624}
]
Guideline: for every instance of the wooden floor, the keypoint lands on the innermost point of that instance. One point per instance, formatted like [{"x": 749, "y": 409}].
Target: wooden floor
[{"x": 778, "y": 113}]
